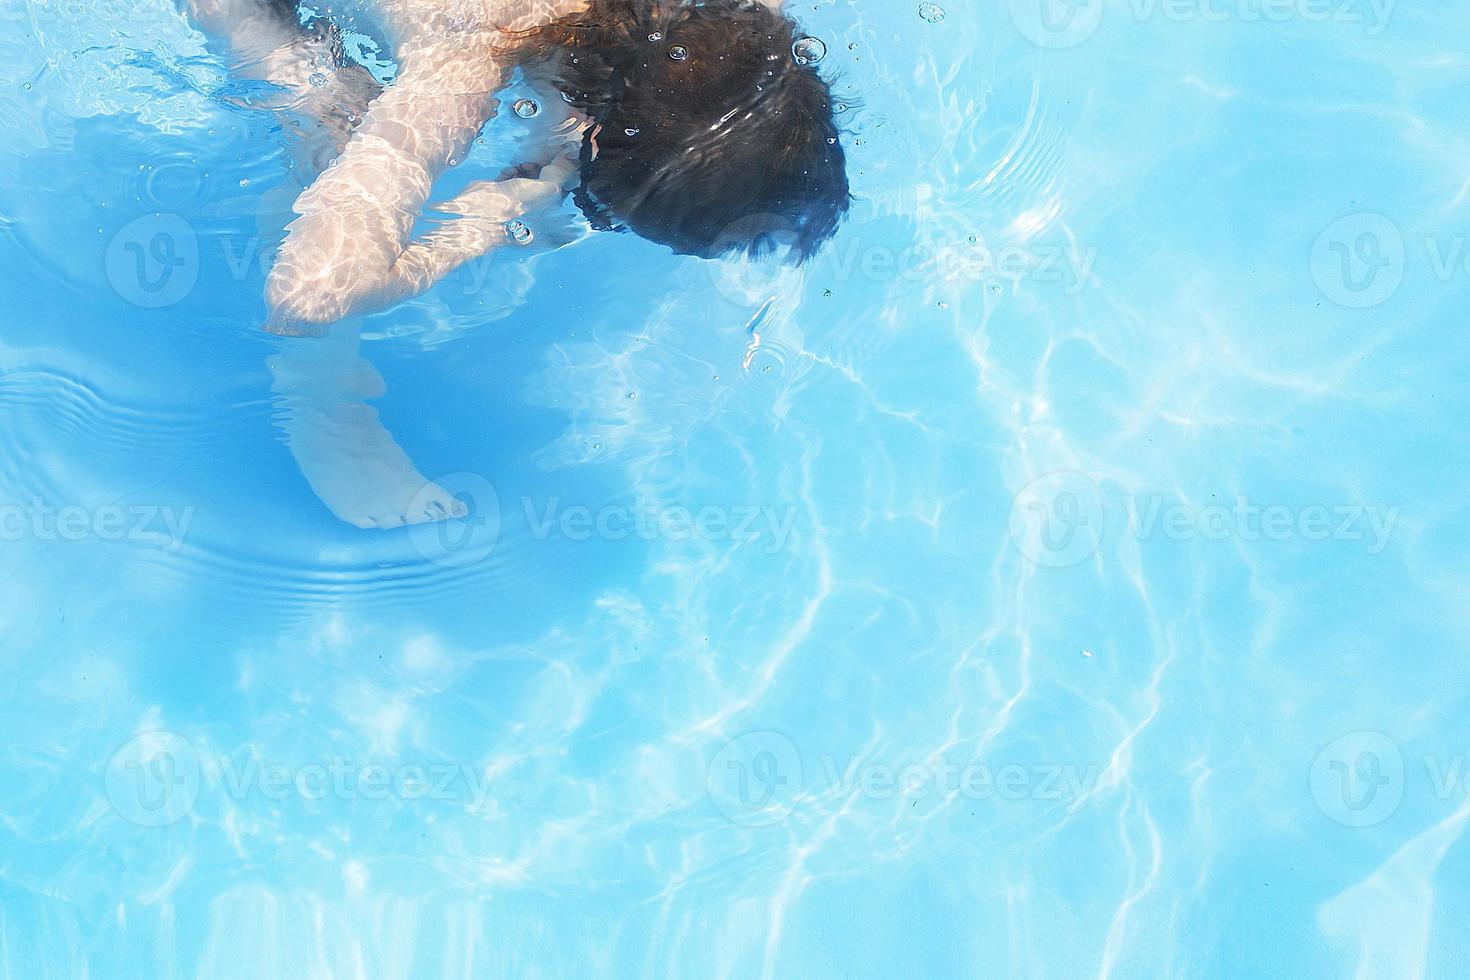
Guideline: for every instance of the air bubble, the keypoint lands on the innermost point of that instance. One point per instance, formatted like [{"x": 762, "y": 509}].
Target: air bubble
[
  {"x": 317, "y": 78},
  {"x": 518, "y": 232},
  {"x": 656, "y": 36},
  {"x": 526, "y": 108},
  {"x": 679, "y": 53},
  {"x": 631, "y": 131},
  {"x": 808, "y": 51},
  {"x": 931, "y": 12}
]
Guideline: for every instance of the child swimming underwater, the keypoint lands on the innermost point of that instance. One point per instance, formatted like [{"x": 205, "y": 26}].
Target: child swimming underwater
[{"x": 699, "y": 130}]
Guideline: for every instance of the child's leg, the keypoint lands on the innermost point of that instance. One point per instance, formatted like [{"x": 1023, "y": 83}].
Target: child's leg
[
  {"x": 346, "y": 454},
  {"x": 325, "y": 94},
  {"x": 350, "y": 459}
]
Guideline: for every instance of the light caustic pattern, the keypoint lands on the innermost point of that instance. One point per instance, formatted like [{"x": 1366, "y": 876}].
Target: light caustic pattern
[{"x": 1062, "y": 575}]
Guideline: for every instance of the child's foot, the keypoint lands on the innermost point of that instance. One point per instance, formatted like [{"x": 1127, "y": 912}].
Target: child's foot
[{"x": 351, "y": 461}]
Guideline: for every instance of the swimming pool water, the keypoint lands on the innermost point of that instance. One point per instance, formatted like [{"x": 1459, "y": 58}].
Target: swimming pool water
[{"x": 1064, "y": 575}]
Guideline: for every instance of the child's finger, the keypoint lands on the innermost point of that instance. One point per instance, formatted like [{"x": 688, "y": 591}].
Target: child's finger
[{"x": 528, "y": 169}]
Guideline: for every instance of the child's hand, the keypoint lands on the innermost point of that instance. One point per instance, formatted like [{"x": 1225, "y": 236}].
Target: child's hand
[
  {"x": 532, "y": 192},
  {"x": 559, "y": 171},
  {"x": 562, "y": 171}
]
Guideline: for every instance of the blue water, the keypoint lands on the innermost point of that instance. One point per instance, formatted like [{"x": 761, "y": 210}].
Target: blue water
[{"x": 1063, "y": 576}]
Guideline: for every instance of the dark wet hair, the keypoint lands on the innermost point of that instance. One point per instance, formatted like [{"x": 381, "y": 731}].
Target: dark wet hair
[{"x": 708, "y": 134}]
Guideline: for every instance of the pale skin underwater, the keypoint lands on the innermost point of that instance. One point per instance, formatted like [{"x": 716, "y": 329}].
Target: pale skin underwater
[{"x": 368, "y": 156}]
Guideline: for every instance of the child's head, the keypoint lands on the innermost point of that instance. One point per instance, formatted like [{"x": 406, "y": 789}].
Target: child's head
[{"x": 708, "y": 136}]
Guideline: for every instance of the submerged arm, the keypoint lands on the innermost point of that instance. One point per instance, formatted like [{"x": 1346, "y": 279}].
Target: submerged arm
[
  {"x": 354, "y": 222},
  {"x": 482, "y": 211},
  {"x": 348, "y": 249}
]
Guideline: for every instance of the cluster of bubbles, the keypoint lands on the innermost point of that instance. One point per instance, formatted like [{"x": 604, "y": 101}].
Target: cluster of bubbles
[
  {"x": 806, "y": 50},
  {"x": 519, "y": 232},
  {"x": 931, "y": 12}
]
